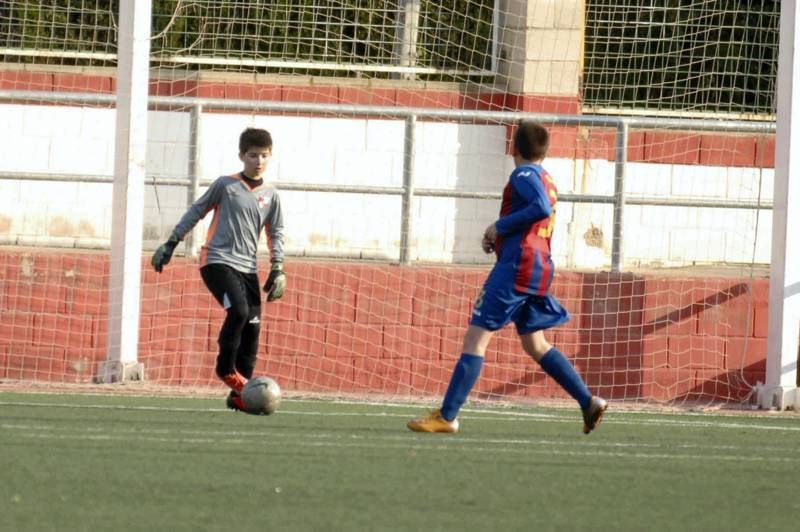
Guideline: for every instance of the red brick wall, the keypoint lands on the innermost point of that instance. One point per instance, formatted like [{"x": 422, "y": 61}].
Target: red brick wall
[{"x": 361, "y": 327}]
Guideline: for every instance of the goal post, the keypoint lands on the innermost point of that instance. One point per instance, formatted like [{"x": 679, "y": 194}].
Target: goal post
[
  {"x": 124, "y": 292},
  {"x": 783, "y": 349}
]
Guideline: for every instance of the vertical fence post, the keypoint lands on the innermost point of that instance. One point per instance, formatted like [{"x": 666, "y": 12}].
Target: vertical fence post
[
  {"x": 192, "y": 242},
  {"x": 619, "y": 195},
  {"x": 406, "y": 219},
  {"x": 496, "y": 36},
  {"x": 406, "y": 46}
]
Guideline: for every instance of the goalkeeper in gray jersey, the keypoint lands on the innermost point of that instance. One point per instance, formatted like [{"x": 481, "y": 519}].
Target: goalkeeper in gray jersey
[{"x": 243, "y": 205}]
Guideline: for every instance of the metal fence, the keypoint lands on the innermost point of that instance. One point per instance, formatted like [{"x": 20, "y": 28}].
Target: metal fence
[{"x": 622, "y": 126}]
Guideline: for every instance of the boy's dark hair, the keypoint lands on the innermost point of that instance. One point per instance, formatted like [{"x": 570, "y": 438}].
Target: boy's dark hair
[
  {"x": 531, "y": 140},
  {"x": 254, "y": 138}
]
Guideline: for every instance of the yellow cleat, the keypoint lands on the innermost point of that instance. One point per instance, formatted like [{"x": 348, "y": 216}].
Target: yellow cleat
[
  {"x": 593, "y": 414},
  {"x": 433, "y": 422}
]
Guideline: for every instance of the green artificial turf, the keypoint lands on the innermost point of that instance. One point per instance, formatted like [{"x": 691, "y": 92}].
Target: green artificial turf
[{"x": 97, "y": 462}]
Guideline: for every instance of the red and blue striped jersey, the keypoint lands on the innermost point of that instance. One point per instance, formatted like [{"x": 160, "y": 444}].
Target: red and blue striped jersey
[{"x": 527, "y": 219}]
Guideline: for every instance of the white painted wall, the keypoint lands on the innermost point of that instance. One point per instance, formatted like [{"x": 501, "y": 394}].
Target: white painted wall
[{"x": 368, "y": 152}]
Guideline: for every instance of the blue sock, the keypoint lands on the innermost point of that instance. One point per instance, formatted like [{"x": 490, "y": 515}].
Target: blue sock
[
  {"x": 555, "y": 364},
  {"x": 464, "y": 376}
]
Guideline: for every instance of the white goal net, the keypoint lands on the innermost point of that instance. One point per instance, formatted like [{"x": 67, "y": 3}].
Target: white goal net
[{"x": 392, "y": 124}]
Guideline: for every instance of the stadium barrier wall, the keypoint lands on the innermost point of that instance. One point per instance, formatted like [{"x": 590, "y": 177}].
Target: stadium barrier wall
[
  {"x": 662, "y": 147},
  {"x": 448, "y": 156},
  {"x": 362, "y": 327}
]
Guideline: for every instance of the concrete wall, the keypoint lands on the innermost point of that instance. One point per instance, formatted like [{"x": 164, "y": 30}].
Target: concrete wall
[
  {"x": 344, "y": 151},
  {"x": 542, "y": 46}
]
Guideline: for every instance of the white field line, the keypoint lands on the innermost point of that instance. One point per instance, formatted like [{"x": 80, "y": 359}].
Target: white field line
[
  {"x": 267, "y": 434},
  {"x": 520, "y": 446},
  {"x": 467, "y": 414}
]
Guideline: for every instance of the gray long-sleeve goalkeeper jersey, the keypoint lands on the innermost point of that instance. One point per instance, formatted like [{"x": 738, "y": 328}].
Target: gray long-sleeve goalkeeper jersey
[{"x": 239, "y": 216}]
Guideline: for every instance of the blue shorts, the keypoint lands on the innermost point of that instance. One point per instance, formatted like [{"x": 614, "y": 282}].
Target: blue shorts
[{"x": 498, "y": 305}]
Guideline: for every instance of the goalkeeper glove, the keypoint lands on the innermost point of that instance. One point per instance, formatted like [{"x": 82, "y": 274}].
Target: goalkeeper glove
[
  {"x": 276, "y": 282},
  {"x": 163, "y": 254}
]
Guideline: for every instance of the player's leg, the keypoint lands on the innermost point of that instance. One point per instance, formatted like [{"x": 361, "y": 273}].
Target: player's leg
[
  {"x": 248, "y": 344},
  {"x": 495, "y": 307},
  {"x": 248, "y": 347},
  {"x": 227, "y": 287},
  {"x": 465, "y": 374},
  {"x": 246, "y": 355},
  {"x": 541, "y": 313},
  {"x": 557, "y": 366},
  {"x": 466, "y": 371},
  {"x": 234, "y": 300}
]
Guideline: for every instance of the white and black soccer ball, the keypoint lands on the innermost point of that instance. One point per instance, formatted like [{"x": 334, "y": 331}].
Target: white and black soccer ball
[{"x": 261, "y": 396}]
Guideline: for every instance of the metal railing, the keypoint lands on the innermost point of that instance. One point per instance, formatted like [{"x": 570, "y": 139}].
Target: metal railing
[{"x": 622, "y": 126}]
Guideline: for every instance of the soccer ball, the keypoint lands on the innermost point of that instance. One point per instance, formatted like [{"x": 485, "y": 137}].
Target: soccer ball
[{"x": 261, "y": 396}]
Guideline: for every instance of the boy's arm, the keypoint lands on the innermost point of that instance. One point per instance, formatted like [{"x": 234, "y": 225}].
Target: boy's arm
[
  {"x": 204, "y": 203},
  {"x": 274, "y": 230},
  {"x": 276, "y": 281},
  {"x": 538, "y": 206},
  {"x": 199, "y": 209}
]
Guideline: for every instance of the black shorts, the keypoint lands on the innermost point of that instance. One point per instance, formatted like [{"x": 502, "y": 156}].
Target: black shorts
[{"x": 231, "y": 287}]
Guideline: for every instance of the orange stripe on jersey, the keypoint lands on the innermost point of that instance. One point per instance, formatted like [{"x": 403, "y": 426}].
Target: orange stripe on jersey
[
  {"x": 209, "y": 235},
  {"x": 212, "y": 228},
  {"x": 269, "y": 237}
]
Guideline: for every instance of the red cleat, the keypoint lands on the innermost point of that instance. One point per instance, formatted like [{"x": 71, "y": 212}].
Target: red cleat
[
  {"x": 234, "y": 401},
  {"x": 235, "y": 381}
]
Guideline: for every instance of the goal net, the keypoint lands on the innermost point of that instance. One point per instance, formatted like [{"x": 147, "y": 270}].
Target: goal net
[{"x": 392, "y": 124}]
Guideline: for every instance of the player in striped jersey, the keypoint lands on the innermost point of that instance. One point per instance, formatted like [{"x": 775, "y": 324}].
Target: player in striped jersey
[
  {"x": 517, "y": 289},
  {"x": 243, "y": 205}
]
